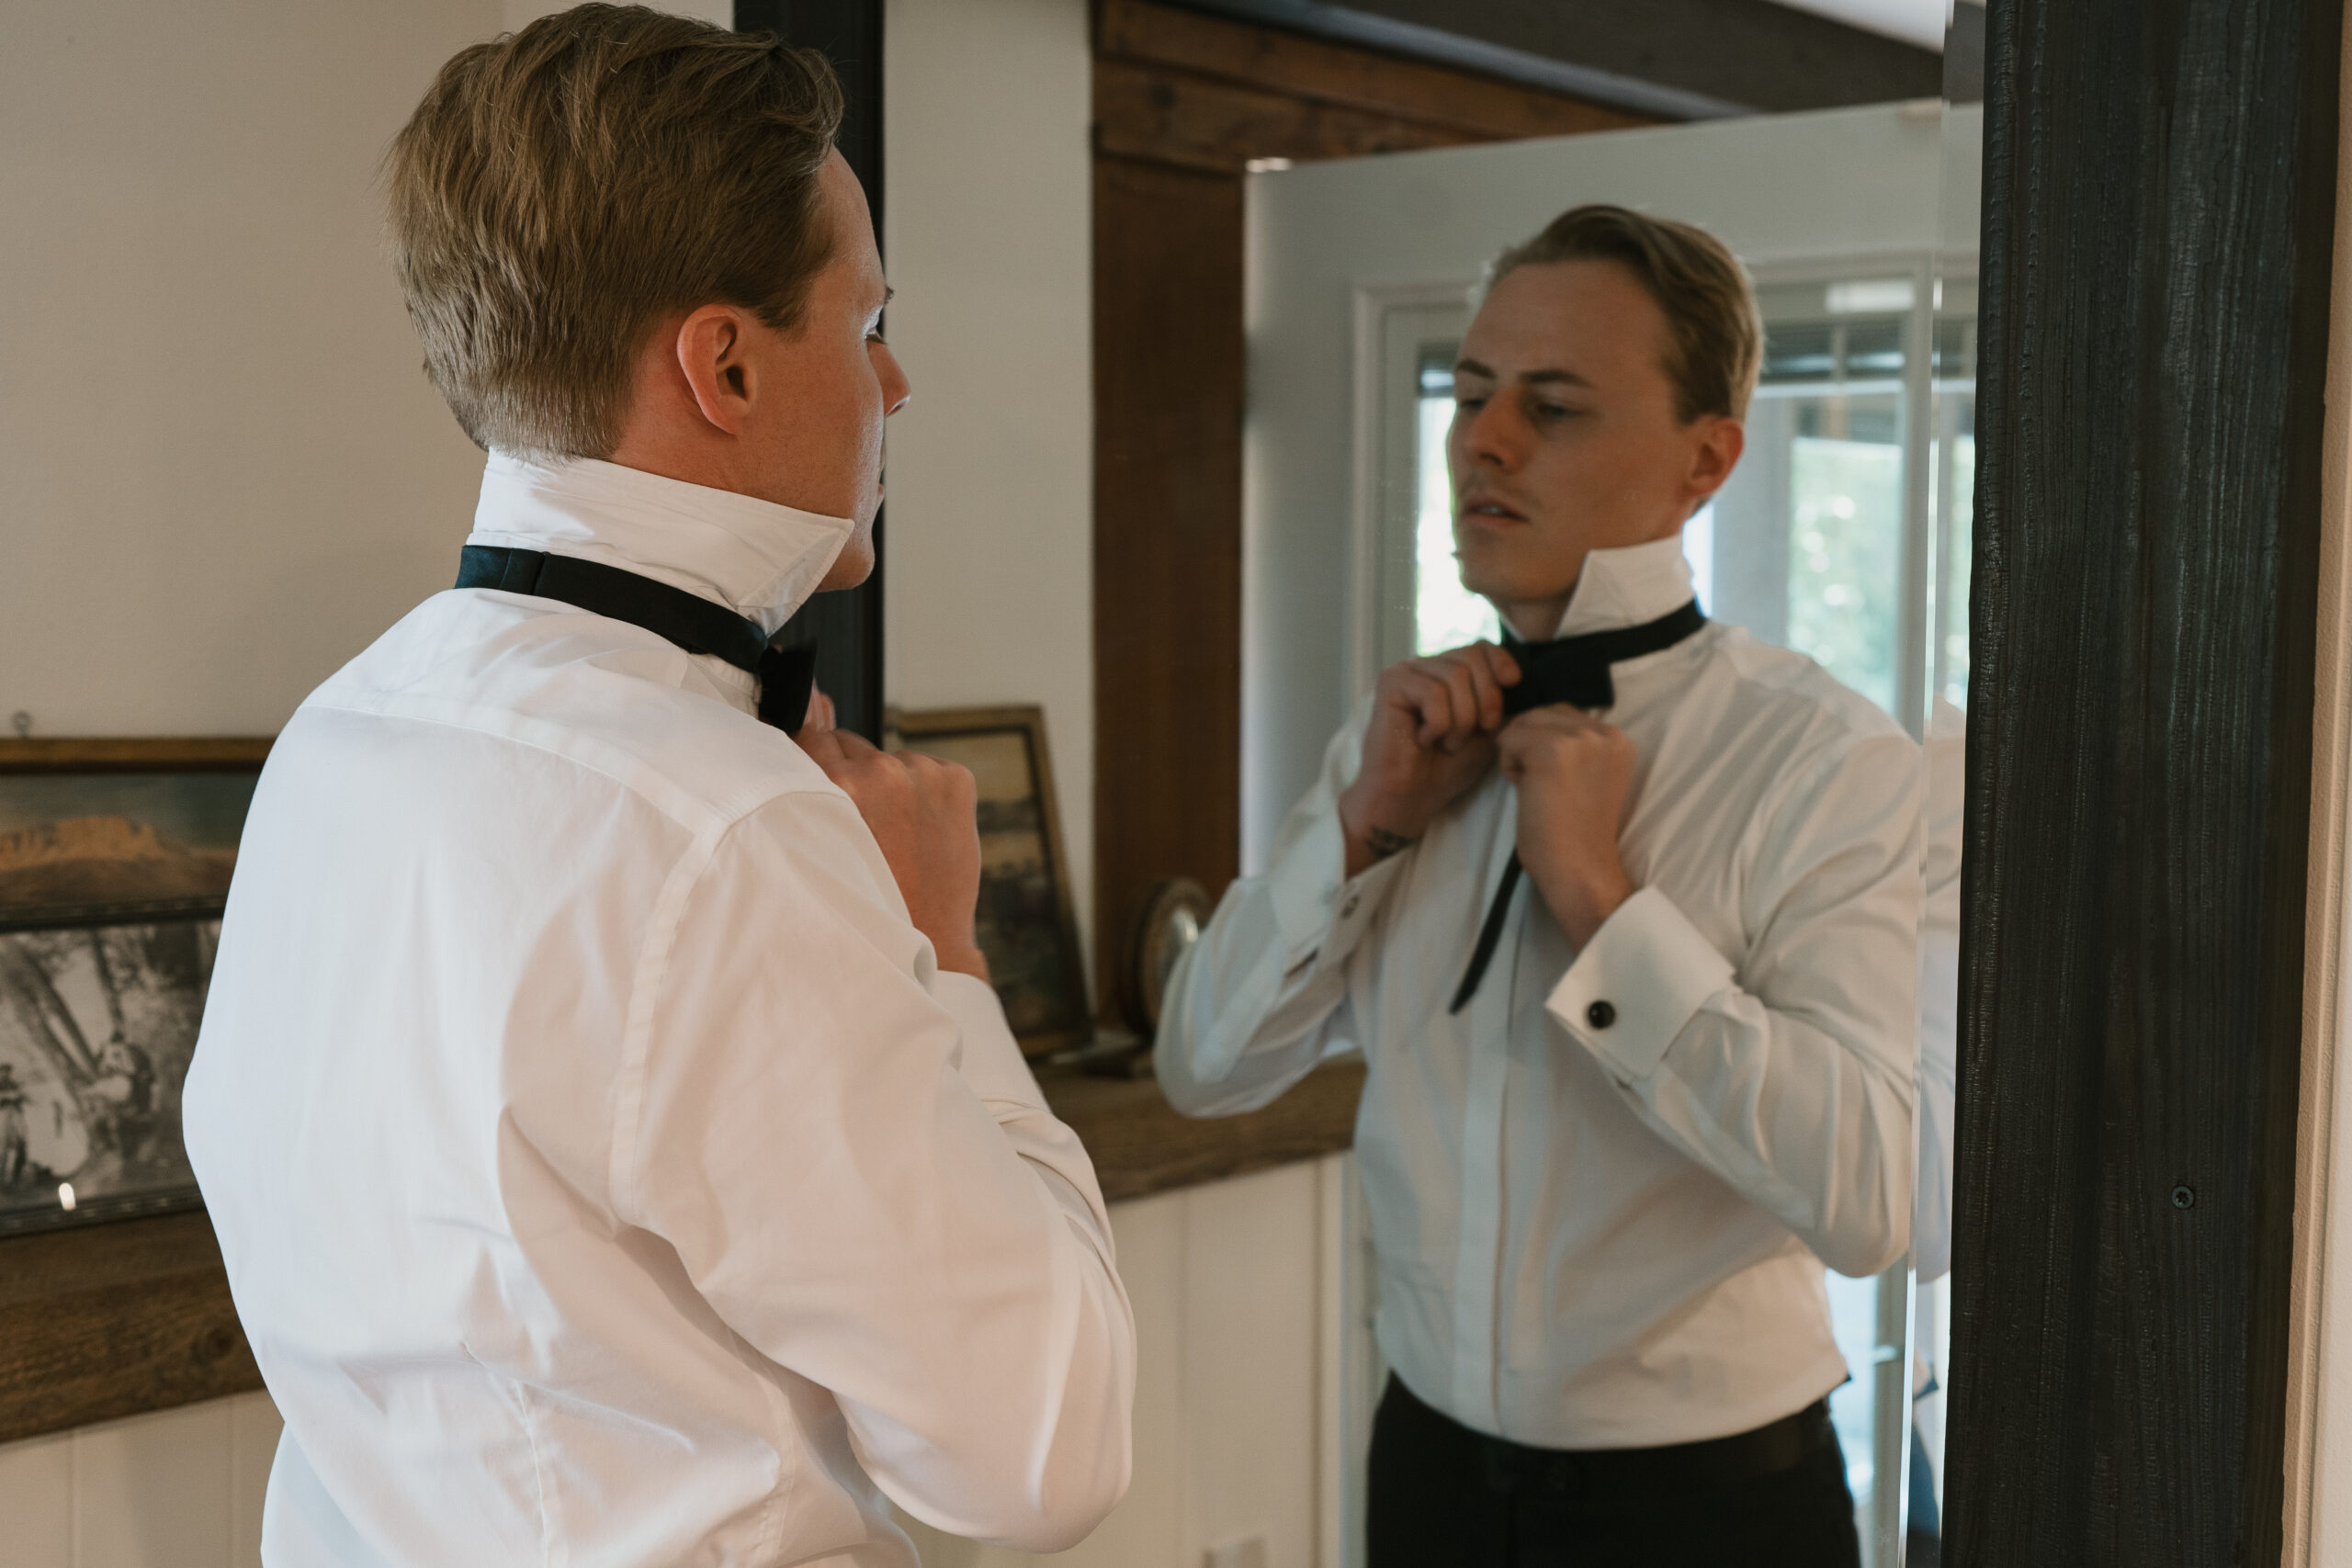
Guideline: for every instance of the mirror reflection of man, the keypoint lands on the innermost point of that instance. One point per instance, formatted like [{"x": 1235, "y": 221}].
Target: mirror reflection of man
[{"x": 1623, "y": 915}]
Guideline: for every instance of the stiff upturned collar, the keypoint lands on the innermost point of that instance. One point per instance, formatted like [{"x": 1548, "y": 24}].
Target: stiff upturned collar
[
  {"x": 1626, "y": 587},
  {"x": 760, "y": 559}
]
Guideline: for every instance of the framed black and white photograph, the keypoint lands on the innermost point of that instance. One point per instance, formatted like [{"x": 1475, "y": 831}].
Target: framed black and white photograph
[
  {"x": 98, "y": 1015},
  {"x": 115, "y": 860},
  {"x": 1027, "y": 926}
]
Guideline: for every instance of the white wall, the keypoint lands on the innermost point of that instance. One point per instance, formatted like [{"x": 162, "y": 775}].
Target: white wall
[
  {"x": 221, "y": 474},
  {"x": 178, "y": 1489},
  {"x": 221, "y": 469},
  {"x": 987, "y": 181},
  {"x": 1231, "y": 1284}
]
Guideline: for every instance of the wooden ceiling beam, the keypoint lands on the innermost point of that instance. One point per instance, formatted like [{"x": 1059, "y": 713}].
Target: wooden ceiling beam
[
  {"x": 1673, "y": 58},
  {"x": 1377, "y": 87}
]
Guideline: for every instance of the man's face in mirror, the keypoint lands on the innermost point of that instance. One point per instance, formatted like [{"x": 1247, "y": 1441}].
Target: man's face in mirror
[{"x": 1566, "y": 436}]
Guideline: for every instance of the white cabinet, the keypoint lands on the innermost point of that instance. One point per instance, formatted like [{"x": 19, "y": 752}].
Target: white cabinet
[{"x": 1237, "y": 1290}]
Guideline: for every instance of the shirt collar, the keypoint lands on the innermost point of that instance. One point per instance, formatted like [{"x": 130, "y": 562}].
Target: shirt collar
[
  {"x": 760, "y": 559},
  {"x": 1627, "y": 587}
]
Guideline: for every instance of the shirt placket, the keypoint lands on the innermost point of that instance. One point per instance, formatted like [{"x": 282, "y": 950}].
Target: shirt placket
[{"x": 1477, "y": 1263}]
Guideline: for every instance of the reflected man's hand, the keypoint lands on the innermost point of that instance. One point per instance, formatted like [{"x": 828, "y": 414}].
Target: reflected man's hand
[{"x": 1432, "y": 738}]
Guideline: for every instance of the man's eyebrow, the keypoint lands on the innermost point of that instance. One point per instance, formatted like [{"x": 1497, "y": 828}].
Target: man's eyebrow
[{"x": 1532, "y": 378}]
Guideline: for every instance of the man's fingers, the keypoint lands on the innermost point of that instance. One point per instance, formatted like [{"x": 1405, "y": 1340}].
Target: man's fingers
[
  {"x": 822, "y": 745},
  {"x": 821, "y": 711},
  {"x": 1464, "y": 706},
  {"x": 1486, "y": 680},
  {"x": 1433, "y": 697},
  {"x": 837, "y": 752},
  {"x": 1410, "y": 688},
  {"x": 1475, "y": 676}
]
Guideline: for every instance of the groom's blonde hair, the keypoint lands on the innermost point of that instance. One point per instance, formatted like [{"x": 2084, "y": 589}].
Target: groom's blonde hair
[
  {"x": 1716, "y": 339},
  {"x": 564, "y": 189}
]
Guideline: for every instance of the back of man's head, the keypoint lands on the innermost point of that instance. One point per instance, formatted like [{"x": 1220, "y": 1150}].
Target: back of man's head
[
  {"x": 565, "y": 188},
  {"x": 1716, "y": 339}
]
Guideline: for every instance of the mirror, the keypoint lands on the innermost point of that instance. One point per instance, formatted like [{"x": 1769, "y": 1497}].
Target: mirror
[
  {"x": 1951, "y": 511},
  {"x": 1842, "y": 536}
]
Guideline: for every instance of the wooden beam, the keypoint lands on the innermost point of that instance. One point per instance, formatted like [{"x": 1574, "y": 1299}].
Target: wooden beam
[
  {"x": 2159, "y": 230},
  {"x": 1678, "y": 59},
  {"x": 1169, "y": 386},
  {"x": 1199, "y": 122},
  {"x": 103, "y": 1321},
  {"x": 1311, "y": 70}
]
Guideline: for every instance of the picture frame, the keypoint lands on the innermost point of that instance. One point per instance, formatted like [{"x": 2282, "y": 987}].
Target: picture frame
[
  {"x": 115, "y": 860},
  {"x": 1028, "y": 922}
]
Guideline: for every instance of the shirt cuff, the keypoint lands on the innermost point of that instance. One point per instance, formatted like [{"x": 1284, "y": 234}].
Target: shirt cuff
[
  {"x": 990, "y": 1057},
  {"x": 1640, "y": 979},
  {"x": 1354, "y": 905}
]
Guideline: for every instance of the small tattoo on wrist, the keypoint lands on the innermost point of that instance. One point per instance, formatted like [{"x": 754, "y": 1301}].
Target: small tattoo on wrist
[{"x": 1383, "y": 843}]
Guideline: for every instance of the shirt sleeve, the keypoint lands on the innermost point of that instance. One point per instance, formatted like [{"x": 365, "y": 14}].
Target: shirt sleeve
[
  {"x": 860, "y": 1176},
  {"x": 1790, "y": 1075},
  {"x": 1262, "y": 997}
]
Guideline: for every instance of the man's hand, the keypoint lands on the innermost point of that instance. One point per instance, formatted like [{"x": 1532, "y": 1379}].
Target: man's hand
[
  {"x": 1573, "y": 772},
  {"x": 924, "y": 814},
  {"x": 1432, "y": 737}
]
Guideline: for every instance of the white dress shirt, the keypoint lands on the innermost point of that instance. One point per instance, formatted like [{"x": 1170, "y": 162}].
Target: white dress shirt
[
  {"x": 1605, "y": 1237},
  {"x": 607, "y": 1174}
]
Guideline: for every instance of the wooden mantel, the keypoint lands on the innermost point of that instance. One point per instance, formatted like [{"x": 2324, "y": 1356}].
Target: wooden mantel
[{"x": 111, "y": 1320}]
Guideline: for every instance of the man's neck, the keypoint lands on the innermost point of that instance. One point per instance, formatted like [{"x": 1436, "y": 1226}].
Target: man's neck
[{"x": 1534, "y": 620}]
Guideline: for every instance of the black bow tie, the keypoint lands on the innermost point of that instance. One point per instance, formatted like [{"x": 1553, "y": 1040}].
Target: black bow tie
[
  {"x": 694, "y": 623},
  {"x": 1573, "y": 669}
]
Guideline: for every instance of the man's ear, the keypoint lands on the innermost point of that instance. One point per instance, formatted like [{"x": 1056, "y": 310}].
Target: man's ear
[
  {"x": 713, "y": 352},
  {"x": 1712, "y": 461}
]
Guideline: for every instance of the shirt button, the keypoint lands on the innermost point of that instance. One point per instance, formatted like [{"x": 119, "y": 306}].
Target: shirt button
[
  {"x": 1600, "y": 1015},
  {"x": 1350, "y": 907}
]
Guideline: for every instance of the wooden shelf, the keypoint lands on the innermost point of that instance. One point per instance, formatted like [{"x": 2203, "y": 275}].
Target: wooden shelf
[
  {"x": 114, "y": 1319},
  {"x": 1140, "y": 1145},
  {"x": 109, "y": 1321}
]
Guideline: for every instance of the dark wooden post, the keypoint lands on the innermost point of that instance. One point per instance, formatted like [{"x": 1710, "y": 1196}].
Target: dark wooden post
[
  {"x": 2158, "y": 224},
  {"x": 847, "y": 625}
]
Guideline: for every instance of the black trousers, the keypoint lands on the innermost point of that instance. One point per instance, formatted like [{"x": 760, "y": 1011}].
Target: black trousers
[{"x": 1445, "y": 1496}]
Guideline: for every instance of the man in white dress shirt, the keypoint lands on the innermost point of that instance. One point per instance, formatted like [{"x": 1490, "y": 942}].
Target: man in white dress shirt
[
  {"x": 619, "y": 1155},
  {"x": 1616, "y": 1120}
]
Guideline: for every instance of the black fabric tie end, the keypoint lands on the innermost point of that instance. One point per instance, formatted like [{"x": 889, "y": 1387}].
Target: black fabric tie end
[
  {"x": 787, "y": 677},
  {"x": 1490, "y": 935},
  {"x": 1573, "y": 669}
]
